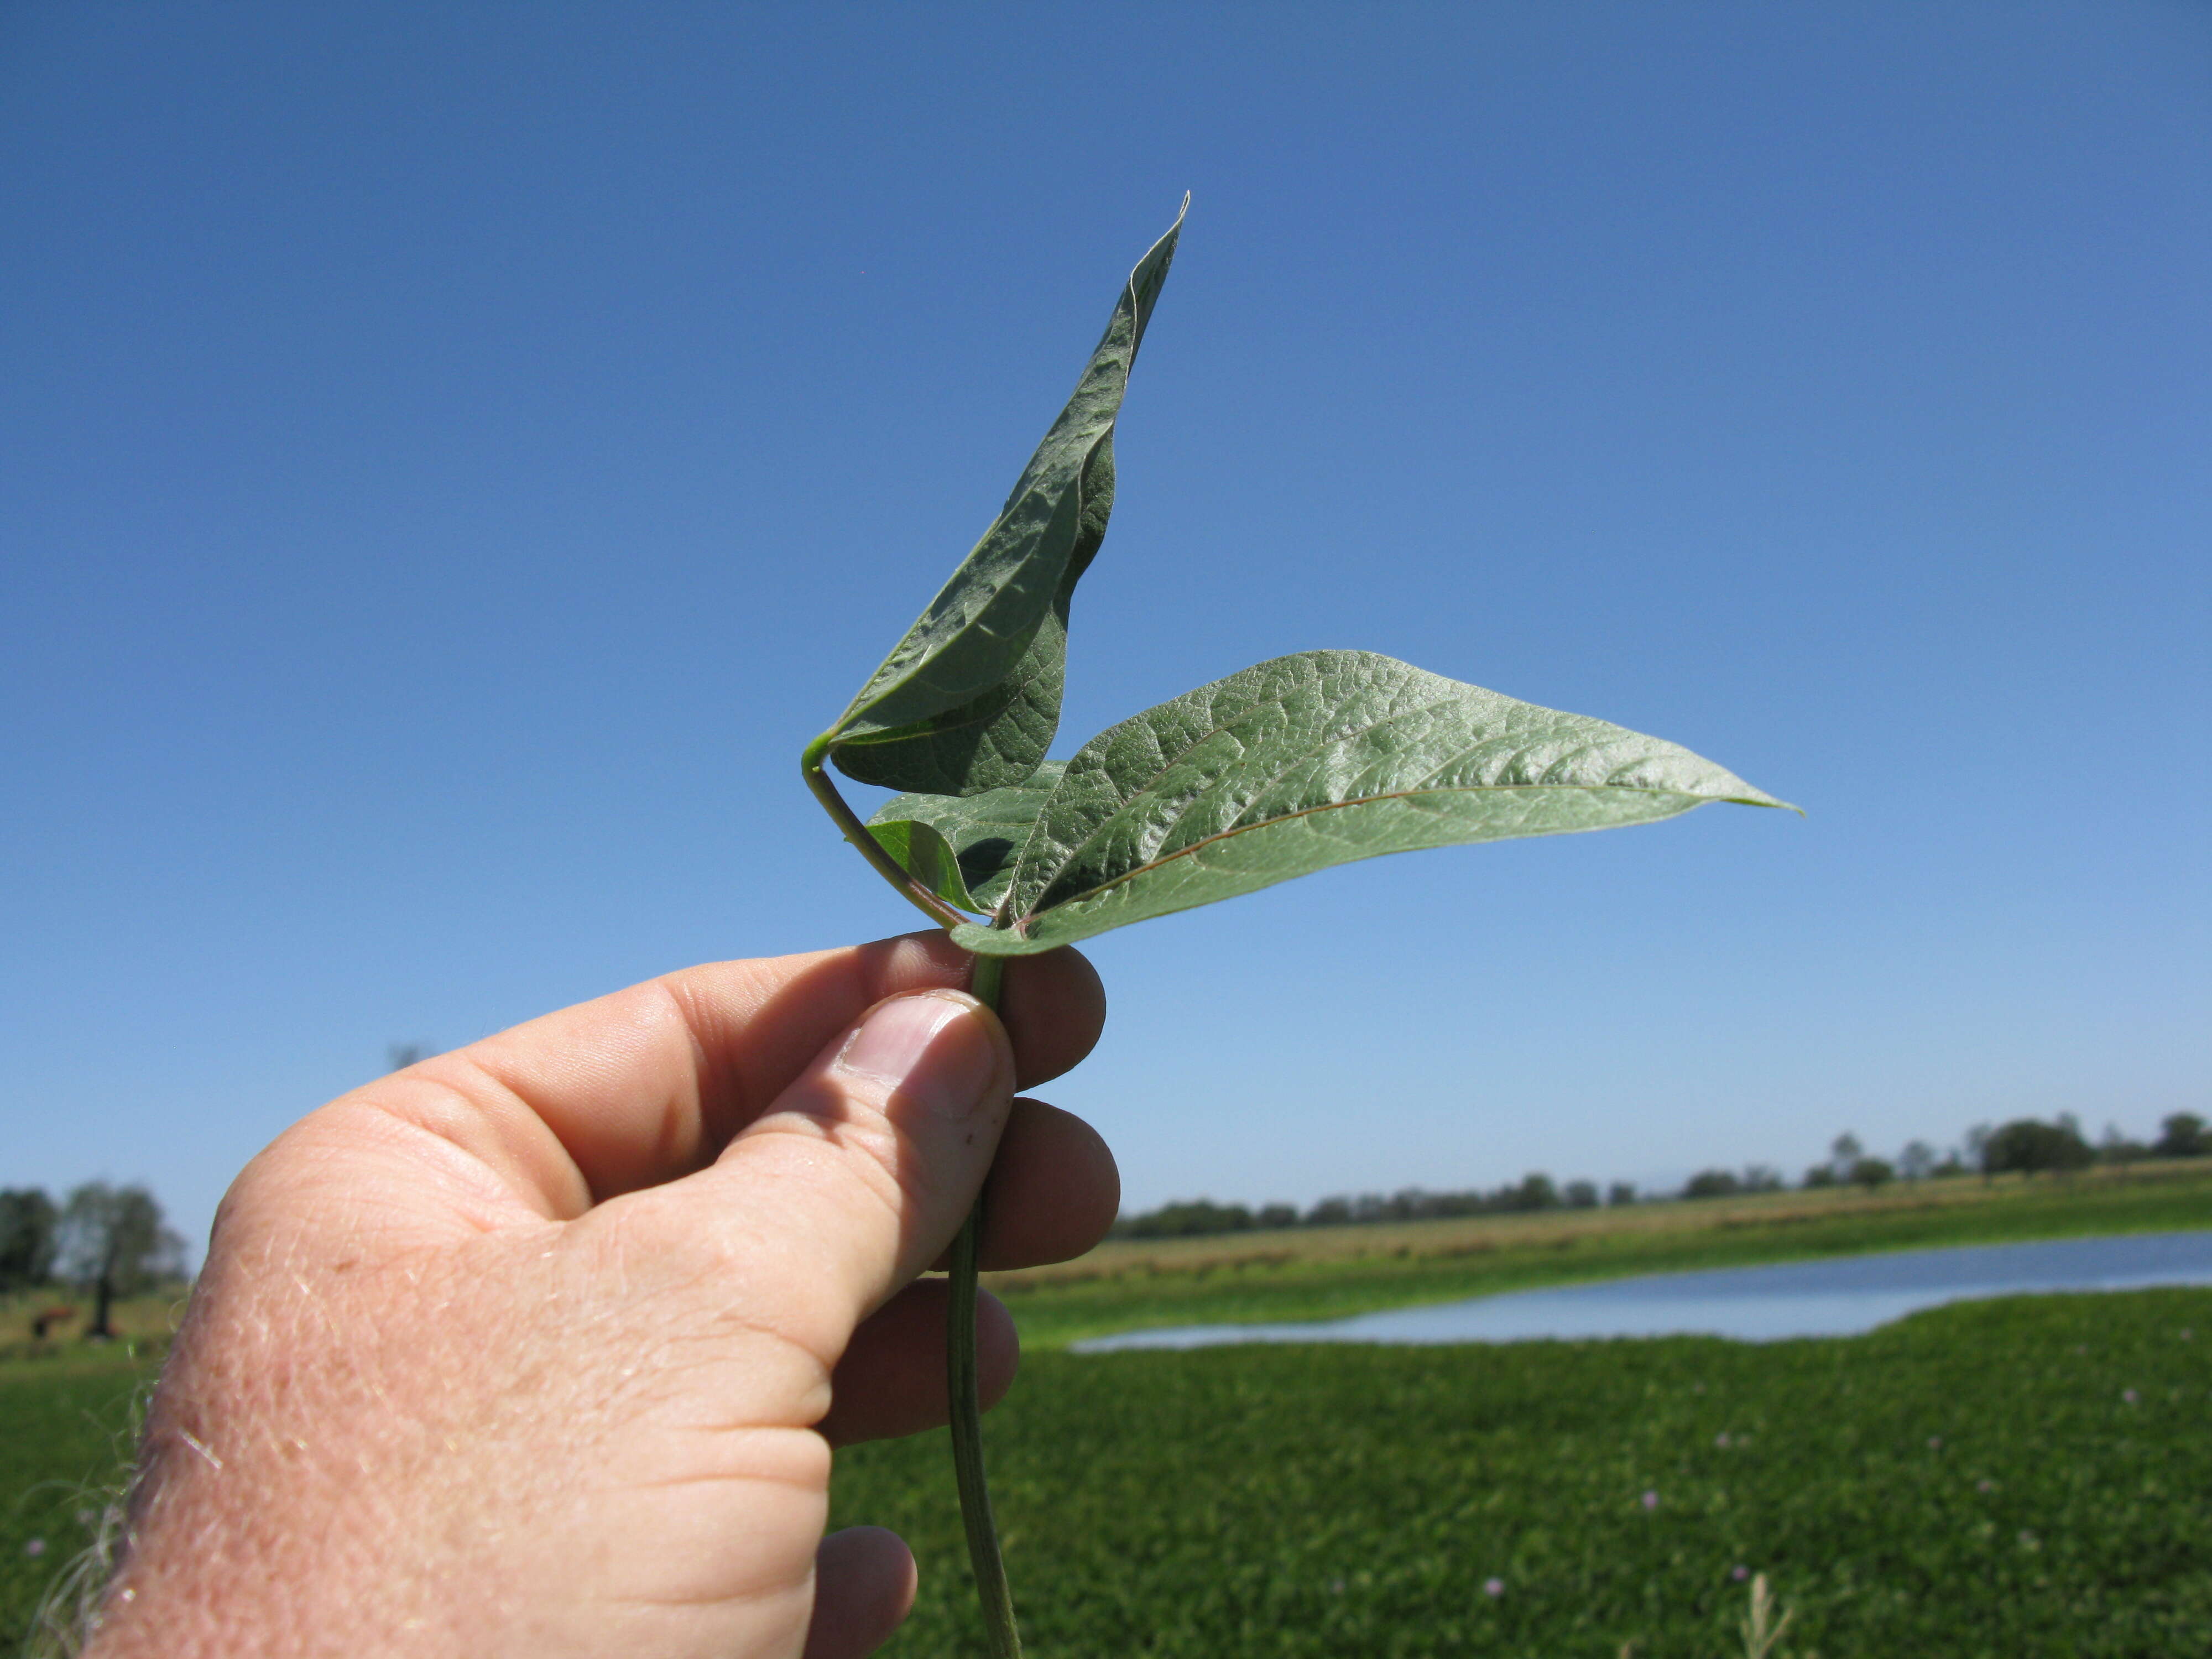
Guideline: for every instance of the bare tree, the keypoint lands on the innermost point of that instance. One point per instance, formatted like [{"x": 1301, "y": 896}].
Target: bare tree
[
  {"x": 1844, "y": 1152},
  {"x": 113, "y": 1241},
  {"x": 1977, "y": 1148},
  {"x": 1917, "y": 1159}
]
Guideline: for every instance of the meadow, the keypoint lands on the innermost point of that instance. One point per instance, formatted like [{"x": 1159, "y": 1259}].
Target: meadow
[{"x": 2010, "y": 1478}]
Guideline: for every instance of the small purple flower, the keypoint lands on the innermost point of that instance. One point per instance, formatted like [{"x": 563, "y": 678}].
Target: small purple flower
[
  {"x": 1493, "y": 1588},
  {"x": 1740, "y": 1573},
  {"x": 1935, "y": 1442},
  {"x": 1650, "y": 1500},
  {"x": 1985, "y": 1485},
  {"x": 35, "y": 1548},
  {"x": 2128, "y": 1395},
  {"x": 1721, "y": 1439}
]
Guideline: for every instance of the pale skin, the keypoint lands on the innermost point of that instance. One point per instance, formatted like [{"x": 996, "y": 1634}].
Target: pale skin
[{"x": 543, "y": 1346}]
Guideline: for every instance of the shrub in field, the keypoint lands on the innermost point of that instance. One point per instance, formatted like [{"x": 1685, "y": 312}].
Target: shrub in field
[
  {"x": 2183, "y": 1135},
  {"x": 2031, "y": 1146},
  {"x": 1291, "y": 766}
]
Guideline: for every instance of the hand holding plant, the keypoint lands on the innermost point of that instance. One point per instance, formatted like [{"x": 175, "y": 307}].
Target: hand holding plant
[
  {"x": 1283, "y": 769},
  {"x": 541, "y": 1347}
]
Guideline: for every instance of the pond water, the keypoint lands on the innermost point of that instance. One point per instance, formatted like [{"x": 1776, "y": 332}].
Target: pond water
[{"x": 1835, "y": 1297}]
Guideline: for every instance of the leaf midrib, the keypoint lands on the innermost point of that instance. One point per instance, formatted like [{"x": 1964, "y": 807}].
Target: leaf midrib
[{"x": 1334, "y": 805}]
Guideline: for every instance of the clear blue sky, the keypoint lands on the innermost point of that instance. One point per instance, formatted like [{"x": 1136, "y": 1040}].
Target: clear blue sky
[{"x": 452, "y": 458}]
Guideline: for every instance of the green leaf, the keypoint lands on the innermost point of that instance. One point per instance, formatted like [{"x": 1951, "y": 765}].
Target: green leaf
[
  {"x": 917, "y": 848},
  {"x": 1312, "y": 760},
  {"x": 985, "y": 831},
  {"x": 970, "y": 699}
]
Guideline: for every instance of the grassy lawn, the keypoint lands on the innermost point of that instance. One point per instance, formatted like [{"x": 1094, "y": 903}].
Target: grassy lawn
[
  {"x": 1326, "y": 1273},
  {"x": 2016, "y": 1478}
]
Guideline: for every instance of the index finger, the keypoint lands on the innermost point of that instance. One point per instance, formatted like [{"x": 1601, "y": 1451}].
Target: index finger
[{"x": 648, "y": 1084}]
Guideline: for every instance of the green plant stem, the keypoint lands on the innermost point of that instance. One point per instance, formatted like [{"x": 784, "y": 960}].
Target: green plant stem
[
  {"x": 1001, "y": 1637},
  {"x": 848, "y": 824}
]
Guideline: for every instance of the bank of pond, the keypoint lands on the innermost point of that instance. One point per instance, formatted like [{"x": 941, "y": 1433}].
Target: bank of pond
[{"x": 1842, "y": 1297}]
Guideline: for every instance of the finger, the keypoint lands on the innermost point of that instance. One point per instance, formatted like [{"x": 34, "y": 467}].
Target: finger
[
  {"x": 1053, "y": 1191},
  {"x": 862, "y": 1170},
  {"x": 648, "y": 1084},
  {"x": 864, "y": 1580},
  {"x": 891, "y": 1379}
]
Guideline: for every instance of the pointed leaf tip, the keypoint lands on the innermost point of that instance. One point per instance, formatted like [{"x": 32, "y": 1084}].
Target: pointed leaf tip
[{"x": 969, "y": 700}]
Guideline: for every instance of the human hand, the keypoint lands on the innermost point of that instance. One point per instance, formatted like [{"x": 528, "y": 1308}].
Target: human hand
[{"x": 542, "y": 1346}]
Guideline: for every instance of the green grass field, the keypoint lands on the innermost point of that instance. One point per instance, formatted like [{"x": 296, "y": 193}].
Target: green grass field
[
  {"x": 2019, "y": 1478},
  {"x": 66, "y": 1431},
  {"x": 1355, "y": 1501}
]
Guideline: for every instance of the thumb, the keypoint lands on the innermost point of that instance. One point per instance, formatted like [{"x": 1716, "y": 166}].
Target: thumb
[{"x": 860, "y": 1173}]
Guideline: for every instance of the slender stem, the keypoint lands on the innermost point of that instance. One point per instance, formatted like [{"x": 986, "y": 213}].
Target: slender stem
[
  {"x": 817, "y": 779},
  {"x": 1001, "y": 1637}
]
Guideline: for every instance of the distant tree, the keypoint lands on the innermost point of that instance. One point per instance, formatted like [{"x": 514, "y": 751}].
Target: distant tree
[
  {"x": 2029, "y": 1146},
  {"x": 1761, "y": 1178},
  {"x": 1711, "y": 1184},
  {"x": 1844, "y": 1152},
  {"x": 1974, "y": 1151},
  {"x": 2183, "y": 1135},
  {"x": 27, "y": 1237},
  {"x": 1330, "y": 1212},
  {"x": 1821, "y": 1175},
  {"x": 1188, "y": 1218},
  {"x": 1916, "y": 1161},
  {"x": 1277, "y": 1215},
  {"x": 111, "y": 1241},
  {"x": 1536, "y": 1192},
  {"x": 2113, "y": 1146},
  {"x": 1580, "y": 1194},
  {"x": 1872, "y": 1172},
  {"x": 1621, "y": 1192}
]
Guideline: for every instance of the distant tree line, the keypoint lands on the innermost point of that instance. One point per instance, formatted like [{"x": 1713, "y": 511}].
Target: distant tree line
[
  {"x": 104, "y": 1241},
  {"x": 2026, "y": 1146}
]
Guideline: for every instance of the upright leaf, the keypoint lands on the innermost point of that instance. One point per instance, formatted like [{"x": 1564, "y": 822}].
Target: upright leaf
[
  {"x": 1313, "y": 760},
  {"x": 970, "y": 699},
  {"x": 925, "y": 856},
  {"x": 984, "y": 832}
]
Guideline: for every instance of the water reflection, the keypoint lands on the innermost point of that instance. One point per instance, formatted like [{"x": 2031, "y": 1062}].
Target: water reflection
[{"x": 1839, "y": 1298}]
